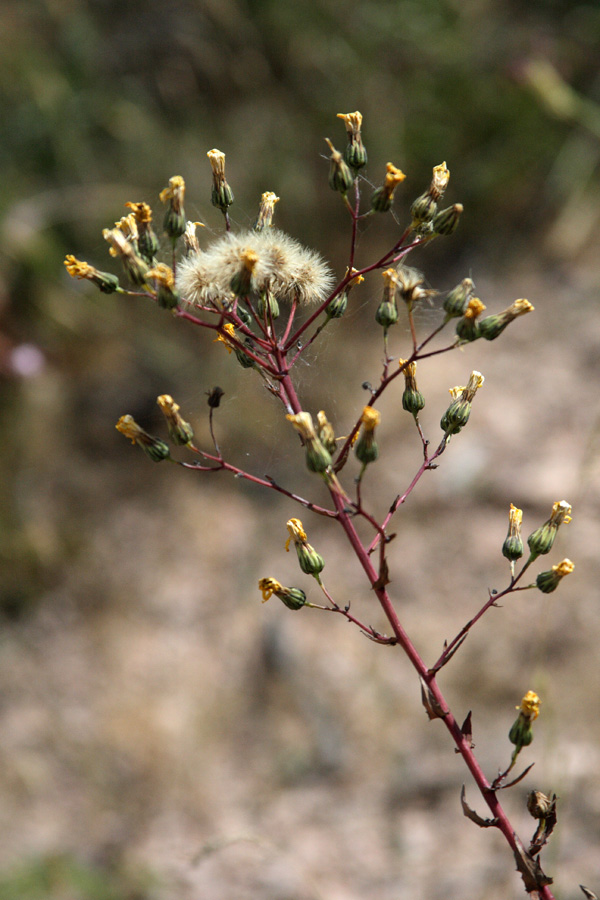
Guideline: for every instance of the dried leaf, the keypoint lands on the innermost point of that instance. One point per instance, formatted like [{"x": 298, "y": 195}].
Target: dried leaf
[
  {"x": 545, "y": 828},
  {"x": 589, "y": 894},
  {"x": 472, "y": 815},
  {"x": 531, "y": 872},
  {"x": 430, "y": 702},
  {"x": 383, "y": 576}
]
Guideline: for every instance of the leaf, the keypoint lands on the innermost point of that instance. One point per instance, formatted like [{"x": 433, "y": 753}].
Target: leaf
[
  {"x": 472, "y": 815},
  {"x": 530, "y": 869},
  {"x": 430, "y": 702}
]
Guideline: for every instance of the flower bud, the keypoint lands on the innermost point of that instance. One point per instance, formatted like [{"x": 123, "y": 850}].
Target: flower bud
[
  {"x": 266, "y": 211},
  {"x": 214, "y": 397},
  {"x": 221, "y": 195},
  {"x": 174, "y": 222},
  {"x": 467, "y": 328},
  {"x": 383, "y": 197},
  {"x": 147, "y": 241},
  {"x": 181, "y": 432},
  {"x": 512, "y": 548},
  {"x": 166, "y": 295},
  {"x": 107, "y": 283},
  {"x": 521, "y": 734},
  {"x": 267, "y": 305},
  {"x": 446, "y": 221},
  {"x": 294, "y": 598},
  {"x": 134, "y": 265},
  {"x": 423, "y": 210},
  {"x": 245, "y": 361},
  {"x": 387, "y": 311},
  {"x": 157, "y": 450},
  {"x": 243, "y": 282},
  {"x": 541, "y": 540},
  {"x": 413, "y": 400},
  {"x": 310, "y": 561},
  {"x": 457, "y": 299},
  {"x": 355, "y": 153},
  {"x": 439, "y": 181},
  {"x": 318, "y": 458},
  {"x": 338, "y": 306},
  {"x": 539, "y": 805},
  {"x": 549, "y": 581},
  {"x": 492, "y": 326},
  {"x": 340, "y": 177},
  {"x": 325, "y": 432},
  {"x": 366, "y": 449},
  {"x": 457, "y": 415}
]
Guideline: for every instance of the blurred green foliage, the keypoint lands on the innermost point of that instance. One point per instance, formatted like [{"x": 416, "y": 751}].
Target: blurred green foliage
[
  {"x": 102, "y": 101},
  {"x": 61, "y": 877}
]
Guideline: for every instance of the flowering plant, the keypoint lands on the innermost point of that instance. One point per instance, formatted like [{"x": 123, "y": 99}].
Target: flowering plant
[{"x": 267, "y": 299}]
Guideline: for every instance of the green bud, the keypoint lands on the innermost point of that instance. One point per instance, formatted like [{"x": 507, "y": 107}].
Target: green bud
[
  {"x": 413, "y": 401},
  {"x": 381, "y": 201},
  {"x": 387, "y": 313},
  {"x": 174, "y": 223},
  {"x": 521, "y": 733},
  {"x": 446, "y": 221},
  {"x": 267, "y": 304},
  {"x": 244, "y": 315},
  {"x": 222, "y": 196},
  {"x": 549, "y": 581},
  {"x": 148, "y": 245},
  {"x": 423, "y": 209},
  {"x": 318, "y": 459},
  {"x": 467, "y": 329},
  {"x": 340, "y": 177},
  {"x": 457, "y": 299},
  {"x": 512, "y": 548},
  {"x": 294, "y": 598},
  {"x": 355, "y": 155},
  {"x": 245, "y": 361},
  {"x": 311, "y": 562},
  {"x": 456, "y": 416},
  {"x": 366, "y": 448},
  {"x": 337, "y": 307},
  {"x": 541, "y": 540}
]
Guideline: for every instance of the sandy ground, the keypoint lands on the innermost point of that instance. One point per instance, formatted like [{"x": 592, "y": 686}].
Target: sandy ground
[{"x": 157, "y": 717}]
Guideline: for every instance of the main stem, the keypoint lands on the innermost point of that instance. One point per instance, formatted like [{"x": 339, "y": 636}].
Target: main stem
[{"x": 463, "y": 743}]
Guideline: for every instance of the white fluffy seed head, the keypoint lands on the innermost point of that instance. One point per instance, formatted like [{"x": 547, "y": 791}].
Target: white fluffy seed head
[{"x": 284, "y": 267}]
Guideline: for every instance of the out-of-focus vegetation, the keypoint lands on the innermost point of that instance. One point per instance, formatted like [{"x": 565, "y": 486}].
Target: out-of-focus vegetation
[{"x": 103, "y": 101}]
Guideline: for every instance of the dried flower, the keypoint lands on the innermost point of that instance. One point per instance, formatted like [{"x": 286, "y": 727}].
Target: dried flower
[
  {"x": 288, "y": 270},
  {"x": 366, "y": 448},
  {"x": 318, "y": 458},
  {"x": 221, "y": 195},
  {"x": 549, "y": 581},
  {"x": 294, "y": 598},
  {"x": 164, "y": 279},
  {"x": 174, "y": 222},
  {"x": 266, "y": 211},
  {"x": 512, "y": 548},
  {"x": 521, "y": 734},
  {"x": 310, "y": 561},
  {"x": 107, "y": 283},
  {"x": 413, "y": 400},
  {"x": 340, "y": 177},
  {"x": 492, "y": 326},
  {"x": 355, "y": 153},
  {"x": 383, "y": 197},
  {"x": 135, "y": 267},
  {"x": 156, "y": 449},
  {"x": 181, "y": 432},
  {"x": 147, "y": 241},
  {"x": 541, "y": 540}
]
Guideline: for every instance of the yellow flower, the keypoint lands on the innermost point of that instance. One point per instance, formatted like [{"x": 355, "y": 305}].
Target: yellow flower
[
  {"x": 474, "y": 309},
  {"x": 268, "y": 586},
  {"x": 439, "y": 181},
  {"x": 229, "y": 327},
  {"x": 296, "y": 532},
  {"x": 370, "y": 418},
  {"x": 352, "y": 121},
  {"x": 530, "y": 705},
  {"x": 393, "y": 177},
  {"x": 175, "y": 192}
]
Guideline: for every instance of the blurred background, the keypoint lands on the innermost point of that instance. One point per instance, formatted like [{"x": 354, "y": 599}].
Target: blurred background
[{"x": 163, "y": 734}]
